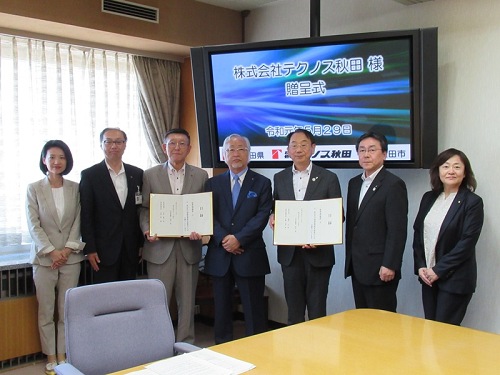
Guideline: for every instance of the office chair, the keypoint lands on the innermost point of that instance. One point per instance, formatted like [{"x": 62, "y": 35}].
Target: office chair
[{"x": 115, "y": 326}]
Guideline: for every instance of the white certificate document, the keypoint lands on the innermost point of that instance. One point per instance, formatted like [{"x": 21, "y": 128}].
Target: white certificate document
[
  {"x": 200, "y": 362},
  {"x": 178, "y": 215},
  {"x": 316, "y": 222}
]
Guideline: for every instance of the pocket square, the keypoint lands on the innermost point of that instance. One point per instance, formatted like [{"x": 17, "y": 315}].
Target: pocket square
[{"x": 252, "y": 194}]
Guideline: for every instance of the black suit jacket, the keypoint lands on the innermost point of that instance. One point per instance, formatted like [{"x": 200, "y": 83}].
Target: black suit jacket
[
  {"x": 105, "y": 225},
  {"x": 322, "y": 184},
  {"x": 246, "y": 222},
  {"x": 456, "y": 244},
  {"x": 376, "y": 231}
]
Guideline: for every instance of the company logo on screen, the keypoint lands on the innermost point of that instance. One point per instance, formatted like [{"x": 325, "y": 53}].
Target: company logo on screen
[{"x": 276, "y": 154}]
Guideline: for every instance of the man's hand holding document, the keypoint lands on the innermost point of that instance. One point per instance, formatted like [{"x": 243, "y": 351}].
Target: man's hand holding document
[
  {"x": 180, "y": 215},
  {"x": 317, "y": 222}
]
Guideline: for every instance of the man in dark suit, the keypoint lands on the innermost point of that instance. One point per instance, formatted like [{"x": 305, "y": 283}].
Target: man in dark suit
[
  {"x": 307, "y": 268},
  {"x": 377, "y": 217},
  {"x": 242, "y": 202},
  {"x": 110, "y": 194},
  {"x": 174, "y": 261}
]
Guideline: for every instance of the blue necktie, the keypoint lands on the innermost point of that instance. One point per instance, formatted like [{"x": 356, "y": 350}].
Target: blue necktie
[{"x": 236, "y": 189}]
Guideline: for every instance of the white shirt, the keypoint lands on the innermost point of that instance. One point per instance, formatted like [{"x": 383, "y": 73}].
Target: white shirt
[
  {"x": 176, "y": 178},
  {"x": 300, "y": 181},
  {"x": 58, "y": 195},
  {"x": 367, "y": 181},
  {"x": 120, "y": 182},
  {"x": 432, "y": 225}
]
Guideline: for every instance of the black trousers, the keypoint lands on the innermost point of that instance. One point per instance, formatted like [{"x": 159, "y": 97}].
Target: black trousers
[
  {"x": 122, "y": 269},
  {"x": 443, "y": 306},
  {"x": 382, "y": 297}
]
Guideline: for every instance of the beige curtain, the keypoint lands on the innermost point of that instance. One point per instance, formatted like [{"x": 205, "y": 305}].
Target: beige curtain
[
  {"x": 159, "y": 91},
  {"x": 57, "y": 91}
]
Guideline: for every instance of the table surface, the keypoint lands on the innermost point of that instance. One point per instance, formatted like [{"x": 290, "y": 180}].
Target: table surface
[{"x": 368, "y": 341}]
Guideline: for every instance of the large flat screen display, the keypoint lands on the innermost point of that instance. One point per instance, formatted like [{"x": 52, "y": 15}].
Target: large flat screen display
[{"x": 336, "y": 87}]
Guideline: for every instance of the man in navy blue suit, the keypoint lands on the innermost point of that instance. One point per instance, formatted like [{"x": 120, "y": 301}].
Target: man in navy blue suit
[{"x": 242, "y": 202}]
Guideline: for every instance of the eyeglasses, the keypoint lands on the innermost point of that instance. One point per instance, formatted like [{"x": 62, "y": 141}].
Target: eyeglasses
[
  {"x": 303, "y": 146},
  {"x": 371, "y": 150},
  {"x": 108, "y": 142},
  {"x": 238, "y": 150},
  {"x": 177, "y": 144}
]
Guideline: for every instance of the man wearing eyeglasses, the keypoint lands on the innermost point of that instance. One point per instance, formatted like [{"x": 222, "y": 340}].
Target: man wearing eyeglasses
[
  {"x": 306, "y": 268},
  {"x": 109, "y": 214},
  {"x": 174, "y": 261},
  {"x": 376, "y": 225},
  {"x": 236, "y": 252}
]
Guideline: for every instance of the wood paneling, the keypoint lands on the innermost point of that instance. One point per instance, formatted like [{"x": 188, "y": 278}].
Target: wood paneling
[{"x": 19, "y": 327}]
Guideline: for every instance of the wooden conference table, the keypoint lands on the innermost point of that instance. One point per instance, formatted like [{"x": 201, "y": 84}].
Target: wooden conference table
[{"x": 367, "y": 342}]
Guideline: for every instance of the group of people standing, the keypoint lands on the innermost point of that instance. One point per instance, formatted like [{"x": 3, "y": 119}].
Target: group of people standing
[{"x": 111, "y": 207}]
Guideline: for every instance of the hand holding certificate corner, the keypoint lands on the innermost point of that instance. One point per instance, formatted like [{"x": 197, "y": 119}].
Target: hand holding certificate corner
[
  {"x": 317, "y": 222},
  {"x": 180, "y": 215}
]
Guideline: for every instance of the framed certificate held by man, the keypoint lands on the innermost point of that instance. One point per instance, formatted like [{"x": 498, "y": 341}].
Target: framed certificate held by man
[
  {"x": 317, "y": 222},
  {"x": 179, "y": 215}
]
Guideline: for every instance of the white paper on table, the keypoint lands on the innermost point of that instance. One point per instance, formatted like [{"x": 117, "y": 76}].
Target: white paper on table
[
  {"x": 142, "y": 372},
  {"x": 200, "y": 362},
  {"x": 186, "y": 365},
  {"x": 317, "y": 222},
  {"x": 173, "y": 215},
  {"x": 235, "y": 365}
]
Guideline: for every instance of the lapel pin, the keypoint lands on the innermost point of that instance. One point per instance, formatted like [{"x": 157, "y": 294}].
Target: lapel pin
[
  {"x": 315, "y": 178},
  {"x": 375, "y": 188}
]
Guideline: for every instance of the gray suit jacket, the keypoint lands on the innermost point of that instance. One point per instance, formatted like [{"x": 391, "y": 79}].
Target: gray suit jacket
[
  {"x": 46, "y": 230},
  {"x": 156, "y": 181},
  {"x": 323, "y": 184}
]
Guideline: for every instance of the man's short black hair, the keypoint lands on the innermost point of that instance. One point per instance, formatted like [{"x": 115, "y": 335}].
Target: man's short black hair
[
  {"x": 101, "y": 136},
  {"x": 177, "y": 131},
  {"x": 379, "y": 137},
  {"x": 306, "y": 132}
]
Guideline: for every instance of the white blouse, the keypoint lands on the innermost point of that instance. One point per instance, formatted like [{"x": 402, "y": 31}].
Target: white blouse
[
  {"x": 58, "y": 194},
  {"x": 432, "y": 225}
]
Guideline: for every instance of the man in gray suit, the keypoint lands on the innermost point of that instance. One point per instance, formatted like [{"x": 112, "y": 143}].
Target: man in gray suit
[
  {"x": 174, "y": 261},
  {"x": 307, "y": 268}
]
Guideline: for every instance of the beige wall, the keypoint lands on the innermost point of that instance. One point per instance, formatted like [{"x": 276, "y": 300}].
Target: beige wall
[{"x": 182, "y": 23}]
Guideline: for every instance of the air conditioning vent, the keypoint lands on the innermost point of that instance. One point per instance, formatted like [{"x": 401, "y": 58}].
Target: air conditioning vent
[{"x": 129, "y": 9}]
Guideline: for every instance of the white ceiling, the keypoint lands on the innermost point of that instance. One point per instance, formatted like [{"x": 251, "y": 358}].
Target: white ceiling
[
  {"x": 240, "y": 4},
  {"x": 254, "y": 4}
]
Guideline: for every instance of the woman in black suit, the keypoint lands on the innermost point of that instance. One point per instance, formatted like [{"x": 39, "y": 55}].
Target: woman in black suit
[{"x": 447, "y": 228}]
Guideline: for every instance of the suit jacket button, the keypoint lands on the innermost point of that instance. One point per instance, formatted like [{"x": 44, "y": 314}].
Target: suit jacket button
[{"x": 232, "y": 223}]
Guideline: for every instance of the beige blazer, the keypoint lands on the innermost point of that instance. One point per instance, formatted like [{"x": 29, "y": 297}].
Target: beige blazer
[
  {"x": 46, "y": 230},
  {"x": 156, "y": 181}
]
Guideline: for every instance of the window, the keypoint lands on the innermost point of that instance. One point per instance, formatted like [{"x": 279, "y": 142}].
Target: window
[{"x": 56, "y": 91}]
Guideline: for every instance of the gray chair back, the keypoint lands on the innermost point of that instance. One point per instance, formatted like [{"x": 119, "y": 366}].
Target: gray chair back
[{"x": 114, "y": 326}]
